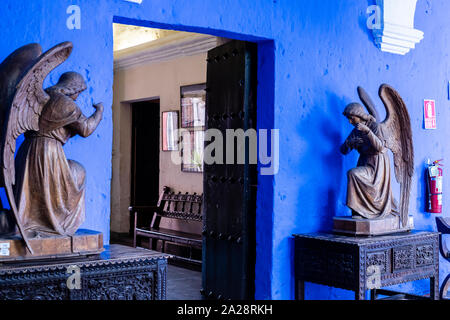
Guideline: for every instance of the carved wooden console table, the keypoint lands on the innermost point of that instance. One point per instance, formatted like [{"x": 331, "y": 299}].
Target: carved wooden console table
[
  {"x": 350, "y": 262},
  {"x": 119, "y": 273}
]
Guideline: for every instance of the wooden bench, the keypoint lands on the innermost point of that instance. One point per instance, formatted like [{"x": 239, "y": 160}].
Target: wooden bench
[{"x": 174, "y": 206}]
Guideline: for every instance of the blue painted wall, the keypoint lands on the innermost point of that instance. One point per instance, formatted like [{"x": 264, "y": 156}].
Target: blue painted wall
[
  {"x": 313, "y": 54},
  {"x": 44, "y": 22}
]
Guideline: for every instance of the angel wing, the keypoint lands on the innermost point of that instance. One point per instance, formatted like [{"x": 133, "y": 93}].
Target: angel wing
[
  {"x": 11, "y": 70},
  {"x": 370, "y": 106},
  {"x": 397, "y": 132},
  {"x": 23, "y": 115}
]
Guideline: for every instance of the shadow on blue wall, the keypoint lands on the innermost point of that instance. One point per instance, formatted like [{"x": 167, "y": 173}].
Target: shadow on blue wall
[
  {"x": 422, "y": 189},
  {"x": 320, "y": 146},
  {"x": 362, "y": 22},
  {"x": 264, "y": 201},
  {"x": 334, "y": 159}
]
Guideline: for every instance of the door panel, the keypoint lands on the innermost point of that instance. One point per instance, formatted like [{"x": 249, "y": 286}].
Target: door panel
[{"x": 229, "y": 192}]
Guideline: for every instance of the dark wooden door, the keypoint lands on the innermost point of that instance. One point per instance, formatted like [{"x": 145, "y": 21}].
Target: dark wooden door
[
  {"x": 230, "y": 189},
  {"x": 145, "y": 154}
]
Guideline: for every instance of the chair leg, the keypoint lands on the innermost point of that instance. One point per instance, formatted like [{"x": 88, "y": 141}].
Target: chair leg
[
  {"x": 134, "y": 229},
  {"x": 445, "y": 289}
]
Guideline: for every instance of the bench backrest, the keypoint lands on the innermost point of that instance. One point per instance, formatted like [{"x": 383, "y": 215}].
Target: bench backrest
[{"x": 179, "y": 205}]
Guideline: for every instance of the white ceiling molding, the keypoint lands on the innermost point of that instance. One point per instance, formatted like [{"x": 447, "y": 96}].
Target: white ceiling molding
[
  {"x": 396, "y": 33},
  {"x": 163, "y": 49}
]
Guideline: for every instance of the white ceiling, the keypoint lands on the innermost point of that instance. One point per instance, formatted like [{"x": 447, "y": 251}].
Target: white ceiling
[{"x": 126, "y": 36}]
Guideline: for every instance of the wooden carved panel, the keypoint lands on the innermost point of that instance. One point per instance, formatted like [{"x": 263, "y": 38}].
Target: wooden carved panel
[
  {"x": 122, "y": 274},
  {"x": 378, "y": 258},
  {"x": 403, "y": 258},
  {"x": 340, "y": 263},
  {"x": 46, "y": 291},
  {"x": 313, "y": 261},
  {"x": 424, "y": 255},
  {"x": 129, "y": 287}
]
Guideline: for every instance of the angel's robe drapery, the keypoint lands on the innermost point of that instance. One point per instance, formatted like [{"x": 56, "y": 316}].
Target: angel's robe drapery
[
  {"x": 369, "y": 192},
  {"x": 50, "y": 190}
]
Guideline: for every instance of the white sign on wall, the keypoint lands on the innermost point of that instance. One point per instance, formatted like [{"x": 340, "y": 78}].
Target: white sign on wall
[{"x": 429, "y": 113}]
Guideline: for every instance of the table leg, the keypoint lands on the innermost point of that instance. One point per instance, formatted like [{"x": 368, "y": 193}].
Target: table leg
[
  {"x": 299, "y": 290},
  {"x": 360, "y": 294},
  {"x": 434, "y": 288}
]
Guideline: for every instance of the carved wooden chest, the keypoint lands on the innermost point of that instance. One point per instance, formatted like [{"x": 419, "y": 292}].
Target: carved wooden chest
[
  {"x": 361, "y": 263},
  {"x": 119, "y": 273}
]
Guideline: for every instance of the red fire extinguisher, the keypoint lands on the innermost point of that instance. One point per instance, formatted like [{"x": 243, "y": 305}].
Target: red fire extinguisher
[{"x": 434, "y": 186}]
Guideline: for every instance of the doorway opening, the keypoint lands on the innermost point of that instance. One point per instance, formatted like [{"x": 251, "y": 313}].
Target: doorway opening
[
  {"x": 155, "y": 72},
  {"x": 150, "y": 78},
  {"x": 144, "y": 154}
]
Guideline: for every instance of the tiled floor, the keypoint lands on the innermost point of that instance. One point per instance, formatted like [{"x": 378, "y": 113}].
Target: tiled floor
[{"x": 183, "y": 284}]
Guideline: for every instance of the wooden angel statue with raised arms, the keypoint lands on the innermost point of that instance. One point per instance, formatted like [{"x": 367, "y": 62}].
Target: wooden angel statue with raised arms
[
  {"x": 46, "y": 192},
  {"x": 369, "y": 190}
]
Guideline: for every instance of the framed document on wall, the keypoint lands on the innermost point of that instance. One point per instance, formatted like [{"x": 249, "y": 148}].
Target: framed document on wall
[
  {"x": 192, "y": 151},
  {"x": 193, "y": 103},
  {"x": 170, "y": 131}
]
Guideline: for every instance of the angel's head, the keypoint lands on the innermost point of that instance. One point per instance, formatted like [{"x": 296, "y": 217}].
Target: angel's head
[
  {"x": 70, "y": 84},
  {"x": 355, "y": 114}
]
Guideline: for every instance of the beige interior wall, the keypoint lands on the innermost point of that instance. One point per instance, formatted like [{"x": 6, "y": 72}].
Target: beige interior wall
[{"x": 154, "y": 80}]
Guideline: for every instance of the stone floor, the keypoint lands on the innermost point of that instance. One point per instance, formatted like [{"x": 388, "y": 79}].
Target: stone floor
[{"x": 183, "y": 284}]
